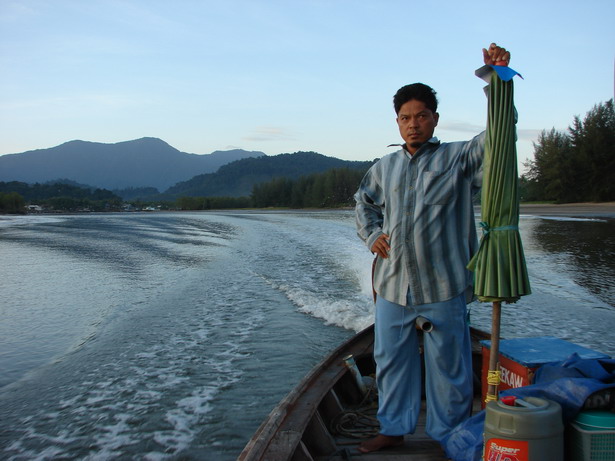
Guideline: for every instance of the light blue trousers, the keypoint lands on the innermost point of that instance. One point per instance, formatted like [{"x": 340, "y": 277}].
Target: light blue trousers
[{"x": 448, "y": 366}]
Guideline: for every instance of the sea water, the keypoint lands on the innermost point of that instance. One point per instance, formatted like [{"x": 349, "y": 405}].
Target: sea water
[{"x": 172, "y": 335}]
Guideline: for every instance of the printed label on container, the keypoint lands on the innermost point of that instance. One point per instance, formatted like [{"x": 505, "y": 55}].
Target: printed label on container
[{"x": 506, "y": 450}]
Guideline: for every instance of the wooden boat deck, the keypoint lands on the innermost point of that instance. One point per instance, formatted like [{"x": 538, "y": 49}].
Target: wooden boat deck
[
  {"x": 303, "y": 425},
  {"x": 418, "y": 446}
]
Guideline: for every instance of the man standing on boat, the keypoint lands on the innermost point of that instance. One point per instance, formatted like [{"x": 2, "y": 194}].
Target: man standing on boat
[{"x": 414, "y": 210}]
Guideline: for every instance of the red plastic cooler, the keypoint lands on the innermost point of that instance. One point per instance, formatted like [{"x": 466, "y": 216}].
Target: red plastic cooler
[{"x": 520, "y": 357}]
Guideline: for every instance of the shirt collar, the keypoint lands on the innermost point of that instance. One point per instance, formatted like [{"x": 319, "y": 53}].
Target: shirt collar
[{"x": 434, "y": 141}]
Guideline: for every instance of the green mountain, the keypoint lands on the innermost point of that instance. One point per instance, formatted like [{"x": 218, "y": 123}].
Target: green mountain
[{"x": 237, "y": 178}]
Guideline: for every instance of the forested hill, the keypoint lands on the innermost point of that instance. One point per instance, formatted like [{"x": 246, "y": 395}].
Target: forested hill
[{"x": 237, "y": 179}]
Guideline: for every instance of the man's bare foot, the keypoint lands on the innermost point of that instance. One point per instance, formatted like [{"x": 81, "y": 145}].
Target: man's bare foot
[{"x": 381, "y": 441}]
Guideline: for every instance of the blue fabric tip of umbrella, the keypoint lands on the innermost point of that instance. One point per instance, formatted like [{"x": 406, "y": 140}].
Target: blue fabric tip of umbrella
[{"x": 505, "y": 73}]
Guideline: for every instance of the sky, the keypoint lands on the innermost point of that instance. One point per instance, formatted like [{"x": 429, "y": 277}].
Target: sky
[{"x": 287, "y": 76}]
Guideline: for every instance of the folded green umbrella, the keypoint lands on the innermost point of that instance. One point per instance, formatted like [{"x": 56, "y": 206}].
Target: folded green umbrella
[{"x": 500, "y": 272}]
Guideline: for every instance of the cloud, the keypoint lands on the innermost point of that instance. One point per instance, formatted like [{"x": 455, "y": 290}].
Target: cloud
[
  {"x": 523, "y": 134},
  {"x": 461, "y": 126},
  {"x": 73, "y": 103},
  {"x": 269, "y": 133},
  {"x": 528, "y": 134}
]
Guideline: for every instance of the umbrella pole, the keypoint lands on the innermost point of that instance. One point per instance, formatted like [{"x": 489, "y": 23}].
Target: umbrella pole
[{"x": 493, "y": 377}]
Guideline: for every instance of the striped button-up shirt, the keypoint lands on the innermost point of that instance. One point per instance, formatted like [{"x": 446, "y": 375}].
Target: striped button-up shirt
[{"x": 424, "y": 204}]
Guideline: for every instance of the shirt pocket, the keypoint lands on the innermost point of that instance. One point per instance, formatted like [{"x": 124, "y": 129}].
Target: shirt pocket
[{"x": 438, "y": 187}]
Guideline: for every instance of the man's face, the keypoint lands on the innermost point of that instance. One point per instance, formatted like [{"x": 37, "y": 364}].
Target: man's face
[{"x": 416, "y": 124}]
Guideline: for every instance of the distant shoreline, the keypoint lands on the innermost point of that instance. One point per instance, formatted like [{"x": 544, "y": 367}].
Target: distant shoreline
[
  {"x": 586, "y": 209},
  {"x": 590, "y": 210}
]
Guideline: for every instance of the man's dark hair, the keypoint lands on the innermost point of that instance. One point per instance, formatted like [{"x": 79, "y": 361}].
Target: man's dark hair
[{"x": 418, "y": 91}]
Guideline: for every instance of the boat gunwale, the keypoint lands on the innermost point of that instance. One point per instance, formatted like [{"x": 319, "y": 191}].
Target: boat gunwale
[{"x": 303, "y": 394}]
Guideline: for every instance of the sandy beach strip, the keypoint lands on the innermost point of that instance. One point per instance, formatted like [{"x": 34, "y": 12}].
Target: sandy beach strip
[{"x": 589, "y": 210}]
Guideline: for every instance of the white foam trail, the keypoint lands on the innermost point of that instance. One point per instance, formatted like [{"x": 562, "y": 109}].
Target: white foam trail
[{"x": 26, "y": 220}]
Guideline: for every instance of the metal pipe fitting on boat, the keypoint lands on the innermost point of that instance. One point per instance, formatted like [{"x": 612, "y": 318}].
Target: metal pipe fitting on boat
[
  {"x": 356, "y": 374},
  {"x": 423, "y": 324}
]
